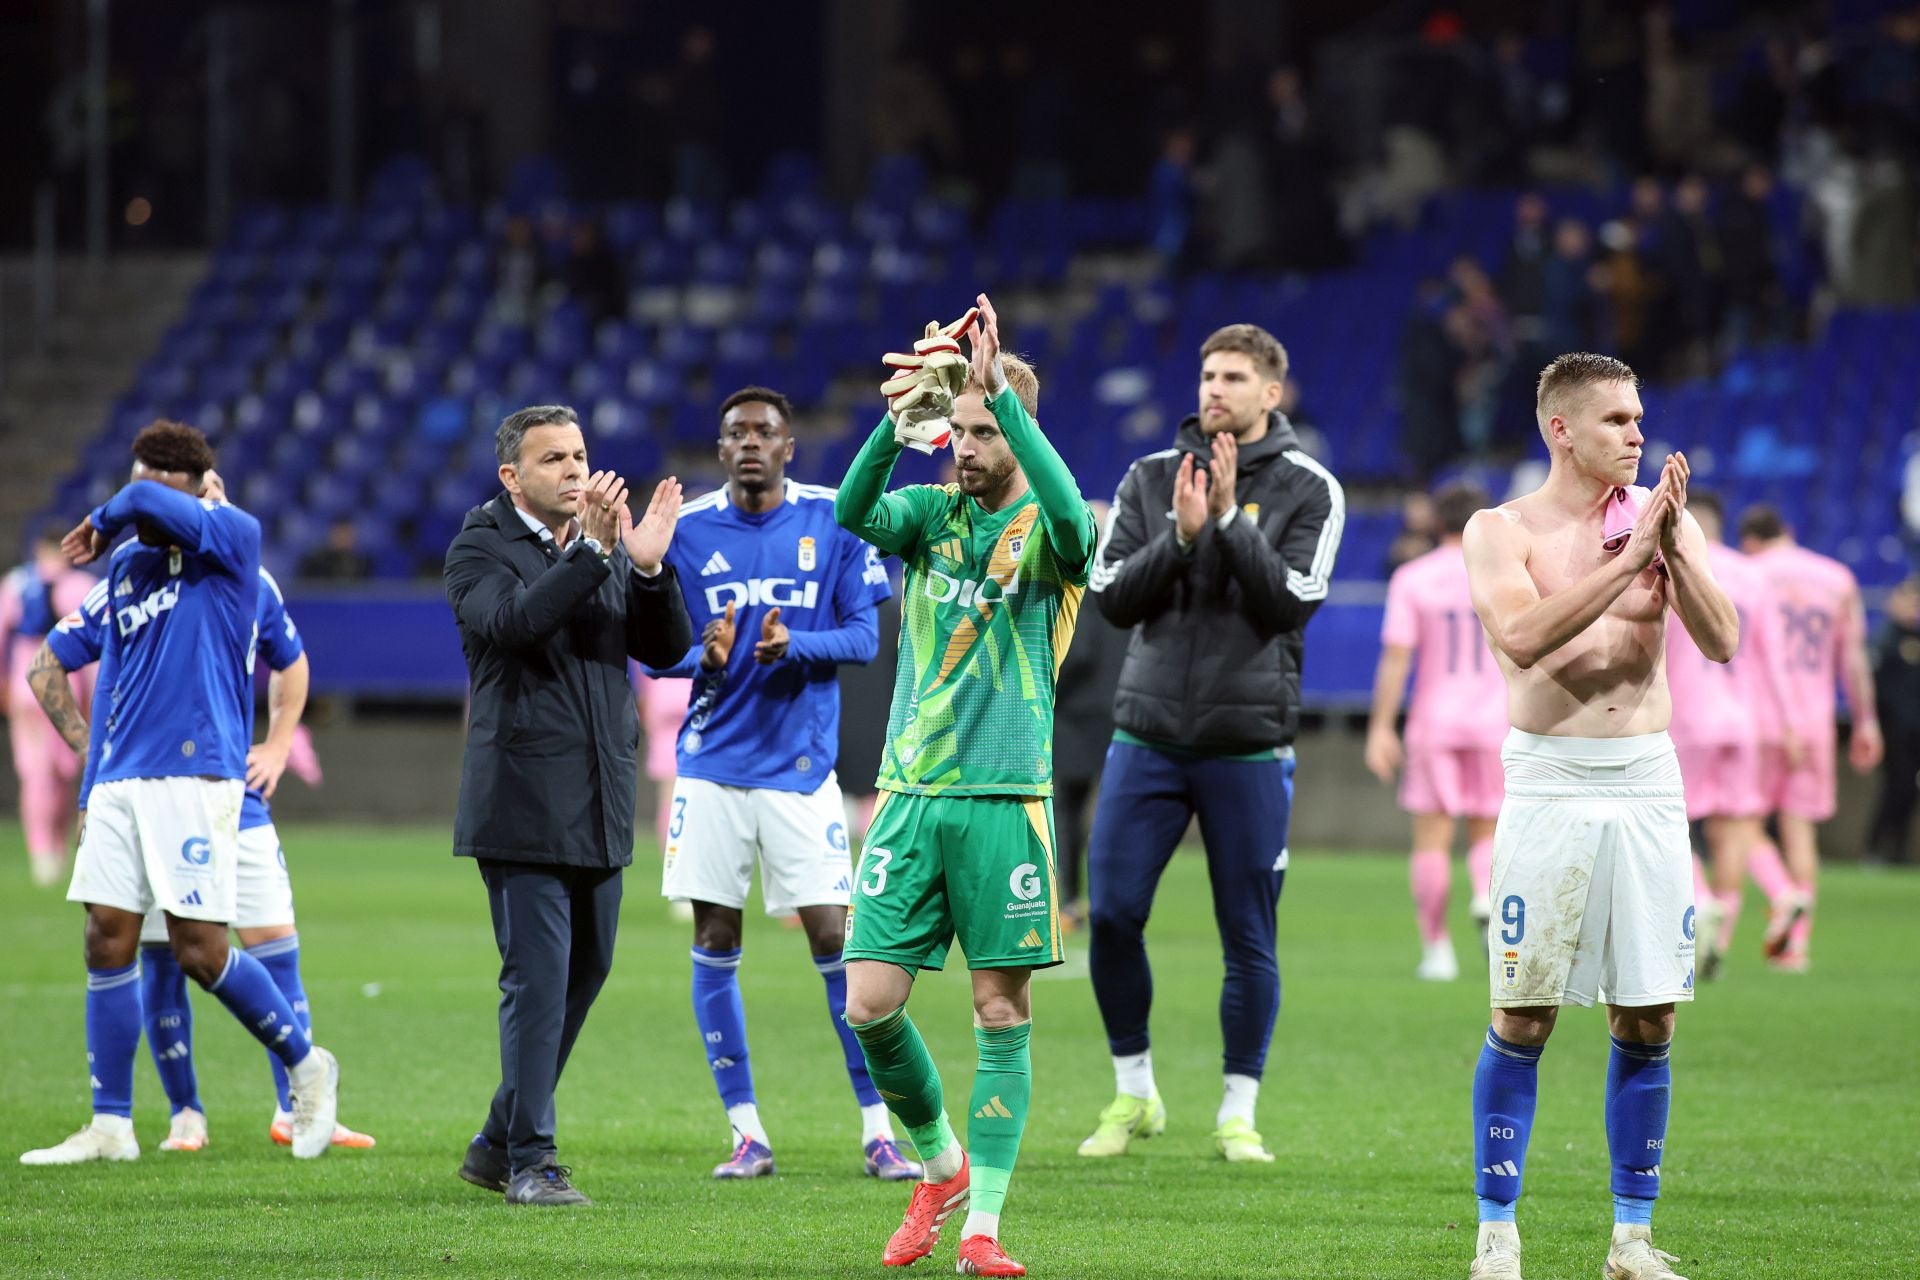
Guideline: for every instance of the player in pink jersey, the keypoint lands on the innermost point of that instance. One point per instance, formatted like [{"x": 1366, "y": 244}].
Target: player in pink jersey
[
  {"x": 1823, "y": 643},
  {"x": 1724, "y": 715},
  {"x": 33, "y": 598},
  {"x": 1455, "y": 725}
]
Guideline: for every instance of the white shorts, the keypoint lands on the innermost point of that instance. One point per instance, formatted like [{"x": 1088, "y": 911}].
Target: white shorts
[
  {"x": 1592, "y": 890},
  {"x": 171, "y": 843},
  {"x": 263, "y": 893},
  {"x": 715, "y": 831}
]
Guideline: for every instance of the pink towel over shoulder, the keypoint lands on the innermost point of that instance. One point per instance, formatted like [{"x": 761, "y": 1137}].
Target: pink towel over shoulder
[{"x": 1616, "y": 526}]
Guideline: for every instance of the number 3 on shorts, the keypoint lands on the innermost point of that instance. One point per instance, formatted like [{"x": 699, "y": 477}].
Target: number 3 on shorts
[{"x": 876, "y": 877}]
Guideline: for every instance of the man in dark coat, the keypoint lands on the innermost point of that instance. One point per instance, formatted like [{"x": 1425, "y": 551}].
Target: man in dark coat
[{"x": 554, "y": 586}]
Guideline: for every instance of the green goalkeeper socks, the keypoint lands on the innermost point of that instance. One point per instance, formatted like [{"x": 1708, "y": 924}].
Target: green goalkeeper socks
[
  {"x": 903, "y": 1072},
  {"x": 1002, "y": 1089}
]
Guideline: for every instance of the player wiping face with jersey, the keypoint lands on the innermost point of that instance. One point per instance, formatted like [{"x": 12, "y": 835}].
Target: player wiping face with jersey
[
  {"x": 164, "y": 809},
  {"x": 263, "y": 909},
  {"x": 781, "y": 595}
]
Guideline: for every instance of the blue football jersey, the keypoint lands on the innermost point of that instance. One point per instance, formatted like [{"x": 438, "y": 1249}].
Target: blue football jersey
[
  {"x": 80, "y": 640},
  {"x": 775, "y": 726},
  {"x": 181, "y": 636}
]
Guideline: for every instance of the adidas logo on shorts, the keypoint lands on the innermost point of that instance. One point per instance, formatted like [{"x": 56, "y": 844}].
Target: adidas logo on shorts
[{"x": 1033, "y": 939}]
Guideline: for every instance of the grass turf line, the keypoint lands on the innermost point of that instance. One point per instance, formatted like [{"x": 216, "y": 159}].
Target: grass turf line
[{"x": 1794, "y": 1139}]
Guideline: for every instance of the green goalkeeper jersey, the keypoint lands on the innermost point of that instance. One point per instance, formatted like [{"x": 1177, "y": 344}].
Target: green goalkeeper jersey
[{"x": 986, "y": 614}]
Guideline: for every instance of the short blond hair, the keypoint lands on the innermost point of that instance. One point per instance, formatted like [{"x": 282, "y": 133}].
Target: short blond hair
[
  {"x": 1564, "y": 381},
  {"x": 1020, "y": 377},
  {"x": 1253, "y": 342}
]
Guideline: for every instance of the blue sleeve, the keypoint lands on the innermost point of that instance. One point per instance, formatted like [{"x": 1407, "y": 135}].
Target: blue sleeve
[
  {"x": 685, "y": 669},
  {"x": 856, "y": 606},
  {"x": 79, "y": 639},
  {"x": 280, "y": 645},
  {"x": 689, "y": 664},
  {"x": 217, "y": 530}
]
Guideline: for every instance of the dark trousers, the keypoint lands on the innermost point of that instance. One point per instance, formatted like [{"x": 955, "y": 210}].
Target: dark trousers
[
  {"x": 555, "y": 927},
  {"x": 1071, "y": 799},
  {"x": 1147, "y": 798},
  {"x": 1899, "y": 796}
]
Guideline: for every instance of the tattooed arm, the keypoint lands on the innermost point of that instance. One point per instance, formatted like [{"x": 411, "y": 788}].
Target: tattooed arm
[{"x": 48, "y": 680}]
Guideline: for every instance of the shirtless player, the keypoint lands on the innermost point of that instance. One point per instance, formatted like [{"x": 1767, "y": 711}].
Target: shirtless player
[{"x": 1592, "y": 889}]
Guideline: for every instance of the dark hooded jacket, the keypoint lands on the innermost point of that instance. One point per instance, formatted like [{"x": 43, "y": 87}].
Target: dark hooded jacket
[{"x": 1213, "y": 665}]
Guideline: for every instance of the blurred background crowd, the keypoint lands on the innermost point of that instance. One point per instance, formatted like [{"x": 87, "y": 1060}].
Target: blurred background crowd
[{"x": 344, "y": 238}]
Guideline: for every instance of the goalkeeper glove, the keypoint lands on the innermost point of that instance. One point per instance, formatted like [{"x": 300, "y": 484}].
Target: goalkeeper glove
[{"x": 920, "y": 395}]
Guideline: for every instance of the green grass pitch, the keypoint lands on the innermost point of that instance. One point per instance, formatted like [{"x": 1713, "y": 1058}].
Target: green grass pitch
[{"x": 1795, "y": 1147}]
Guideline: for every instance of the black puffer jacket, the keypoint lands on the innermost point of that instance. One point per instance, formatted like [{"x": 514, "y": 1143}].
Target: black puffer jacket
[{"x": 1214, "y": 660}]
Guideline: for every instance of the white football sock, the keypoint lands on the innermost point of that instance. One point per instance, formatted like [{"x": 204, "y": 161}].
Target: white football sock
[
  {"x": 1133, "y": 1073},
  {"x": 745, "y": 1119},
  {"x": 1237, "y": 1102},
  {"x": 874, "y": 1123},
  {"x": 943, "y": 1166},
  {"x": 981, "y": 1224}
]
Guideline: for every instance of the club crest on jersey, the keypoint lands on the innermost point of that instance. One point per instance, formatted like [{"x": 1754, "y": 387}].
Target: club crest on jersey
[
  {"x": 807, "y": 557},
  {"x": 1016, "y": 544}
]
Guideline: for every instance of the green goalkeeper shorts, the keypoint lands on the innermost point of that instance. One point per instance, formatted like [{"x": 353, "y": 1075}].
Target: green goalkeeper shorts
[{"x": 975, "y": 868}]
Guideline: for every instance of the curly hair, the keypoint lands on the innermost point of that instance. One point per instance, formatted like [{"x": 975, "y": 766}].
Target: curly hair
[{"x": 173, "y": 446}]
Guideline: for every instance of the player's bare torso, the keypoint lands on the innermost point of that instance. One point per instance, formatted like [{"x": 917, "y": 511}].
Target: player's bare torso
[{"x": 1610, "y": 680}]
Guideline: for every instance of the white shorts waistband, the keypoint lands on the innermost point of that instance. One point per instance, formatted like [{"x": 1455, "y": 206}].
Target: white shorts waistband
[{"x": 1540, "y": 766}]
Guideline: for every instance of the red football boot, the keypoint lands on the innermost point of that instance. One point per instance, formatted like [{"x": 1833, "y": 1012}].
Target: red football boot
[
  {"x": 983, "y": 1256},
  {"x": 932, "y": 1204}
]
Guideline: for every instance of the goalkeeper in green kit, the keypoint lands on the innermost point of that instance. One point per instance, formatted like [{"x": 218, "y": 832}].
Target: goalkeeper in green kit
[{"x": 961, "y": 843}]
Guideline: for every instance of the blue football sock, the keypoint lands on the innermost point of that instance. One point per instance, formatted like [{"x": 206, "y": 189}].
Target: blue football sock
[
  {"x": 834, "y": 970},
  {"x": 281, "y": 957},
  {"x": 169, "y": 1020},
  {"x": 1505, "y": 1085},
  {"x": 113, "y": 1037},
  {"x": 247, "y": 990},
  {"x": 1639, "y": 1087},
  {"x": 722, "y": 1020}
]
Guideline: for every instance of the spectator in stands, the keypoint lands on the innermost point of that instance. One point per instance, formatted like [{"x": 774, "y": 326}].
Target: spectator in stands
[
  {"x": 593, "y": 273},
  {"x": 1754, "y": 304},
  {"x": 695, "y": 105},
  {"x": 1299, "y": 169},
  {"x": 1896, "y": 683},
  {"x": 1419, "y": 530},
  {"x": 1312, "y": 441},
  {"x": 339, "y": 558},
  {"x": 518, "y": 273},
  {"x": 1523, "y": 273},
  {"x": 1170, "y": 198},
  {"x": 1694, "y": 271},
  {"x": 1568, "y": 299},
  {"x": 1429, "y": 398},
  {"x": 1478, "y": 325},
  {"x": 1630, "y": 288},
  {"x": 910, "y": 116}
]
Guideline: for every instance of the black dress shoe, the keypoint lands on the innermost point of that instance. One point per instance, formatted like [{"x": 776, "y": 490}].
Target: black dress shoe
[{"x": 485, "y": 1165}]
